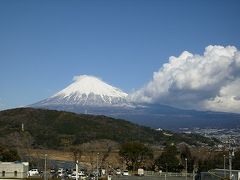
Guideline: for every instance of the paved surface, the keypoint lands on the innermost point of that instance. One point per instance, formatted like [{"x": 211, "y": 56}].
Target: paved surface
[{"x": 149, "y": 178}]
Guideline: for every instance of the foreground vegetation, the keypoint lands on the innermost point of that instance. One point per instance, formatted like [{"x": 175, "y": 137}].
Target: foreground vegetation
[
  {"x": 58, "y": 129},
  {"x": 134, "y": 155},
  {"x": 174, "y": 159},
  {"x": 132, "y": 146}
]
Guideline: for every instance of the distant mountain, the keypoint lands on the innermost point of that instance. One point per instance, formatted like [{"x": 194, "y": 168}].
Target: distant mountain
[
  {"x": 56, "y": 129},
  {"x": 91, "y": 95},
  {"x": 171, "y": 118},
  {"x": 87, "y": 91},
  {"x": 160, "y": 116}
]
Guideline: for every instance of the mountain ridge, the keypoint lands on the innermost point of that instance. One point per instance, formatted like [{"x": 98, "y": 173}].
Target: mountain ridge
[
  {"x": 51, "y": 128},
  {"x": 161, "y": 116},
  {"x": 90, "y": 95}
]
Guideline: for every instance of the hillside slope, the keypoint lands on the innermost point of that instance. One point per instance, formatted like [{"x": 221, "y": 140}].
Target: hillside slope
[{"x": 56, "y": 129}]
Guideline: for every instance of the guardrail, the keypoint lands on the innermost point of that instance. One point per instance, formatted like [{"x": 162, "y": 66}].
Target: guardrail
[{"x": 172, "y": 174}]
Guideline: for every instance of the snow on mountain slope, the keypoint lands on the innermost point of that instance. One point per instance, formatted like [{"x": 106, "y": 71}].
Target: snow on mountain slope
[
  {"x": 89, "y": 91},
  {"x": 89, "y": 84}
]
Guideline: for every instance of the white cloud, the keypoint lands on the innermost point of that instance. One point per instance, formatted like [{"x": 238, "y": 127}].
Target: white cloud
[
  {"x": 210, "y": 81},
  {"x": 227, "y": 100},
  {"x": 80, "y": 77}
]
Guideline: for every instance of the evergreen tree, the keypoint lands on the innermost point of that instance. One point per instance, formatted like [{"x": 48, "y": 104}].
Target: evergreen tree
[
  {"x": 8, "y": 155},
  {"x": 135, "y": 154},
  {"x": 236, "y": 160},
  {"x": 168, "y": 160}
]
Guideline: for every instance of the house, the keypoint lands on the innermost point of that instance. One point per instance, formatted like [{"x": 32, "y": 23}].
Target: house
[{"x": 13, "y": 169}]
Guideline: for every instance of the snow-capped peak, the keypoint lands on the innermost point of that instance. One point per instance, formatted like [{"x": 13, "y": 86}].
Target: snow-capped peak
[
  {"x": 85, "y": 84},
  {"x": 87, "y": 91}
]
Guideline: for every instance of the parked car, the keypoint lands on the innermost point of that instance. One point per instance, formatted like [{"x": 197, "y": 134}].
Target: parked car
[
  {"x": 72, "y": 176},
  {"x": 81, "y": 175},
  {"x": 140, "y": 172},
  {"x": 61, "y": 174},
  {"x": 60, "y": 170},
  {"x": 125, "y": 173},
  {"x": 33, "y": 172},
  {"x": 92, "y": 177},
  {"x": 118, "y": 172}
]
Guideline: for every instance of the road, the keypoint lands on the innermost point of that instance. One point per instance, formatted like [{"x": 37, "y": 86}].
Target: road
[{"x": 149, "y": 178}]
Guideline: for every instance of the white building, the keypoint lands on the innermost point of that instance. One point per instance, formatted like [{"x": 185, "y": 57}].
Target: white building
[{"x": 13, "y": 169}]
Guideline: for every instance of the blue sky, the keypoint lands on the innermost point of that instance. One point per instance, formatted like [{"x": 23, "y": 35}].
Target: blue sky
[{"x": 43, "y": 44}]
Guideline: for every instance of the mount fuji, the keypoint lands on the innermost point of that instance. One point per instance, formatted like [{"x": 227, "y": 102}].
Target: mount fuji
[
  {"x": 87, "y": 91},
  {"x": 89, "y": 94}
]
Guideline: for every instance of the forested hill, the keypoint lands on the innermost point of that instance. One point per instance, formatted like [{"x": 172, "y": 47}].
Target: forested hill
[{"x": 56, "y": 129}]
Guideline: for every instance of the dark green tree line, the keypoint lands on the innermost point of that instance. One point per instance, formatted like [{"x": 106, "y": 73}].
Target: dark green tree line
[
  {"x": 8, "y": 155},
  {"x": 168, "y": 160},
  {"x": 135, "y": 154}
]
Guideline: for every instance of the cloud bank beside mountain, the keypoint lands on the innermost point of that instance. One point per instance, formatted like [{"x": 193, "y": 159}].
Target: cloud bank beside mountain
[{"x": 209, "y": 82}]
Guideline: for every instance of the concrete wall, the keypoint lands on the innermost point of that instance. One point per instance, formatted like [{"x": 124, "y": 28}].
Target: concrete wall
[{"x": 13, "y": 170}]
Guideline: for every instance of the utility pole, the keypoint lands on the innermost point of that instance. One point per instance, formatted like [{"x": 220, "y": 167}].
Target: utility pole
[
  {"x": 230, "y": 163},
  {"x": 186, "y": 167},
  {"x": 224, "y": 165},
  {"x": 231, "y": 154},
  {"x": 77, "y": 170},
  {"x": 97, "y": 165},
  {"x": 45, "y": 167},
  {"x": 193, "y": 174},
  {"x": 22, "y": 127}
]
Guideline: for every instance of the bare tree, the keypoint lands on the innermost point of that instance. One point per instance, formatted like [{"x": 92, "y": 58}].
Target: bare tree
[
  {"x": 76, "y": 153},
  {"x": 105, "y": 156}
]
